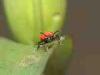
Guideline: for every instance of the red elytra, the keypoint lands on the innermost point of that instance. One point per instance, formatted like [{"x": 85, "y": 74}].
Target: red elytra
[
  {"x": 42, "y": 37},
  {"x": 46, "y": 35}
]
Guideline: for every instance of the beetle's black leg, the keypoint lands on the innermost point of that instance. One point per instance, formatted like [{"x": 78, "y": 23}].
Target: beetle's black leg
[
  {"x": 39, "y": 43},
  {"x": 56, "y": 32},
  {"x": 41, "y": 33},
  {"x": 58, "y": 38},
  {"x": 42, "y": 43}
]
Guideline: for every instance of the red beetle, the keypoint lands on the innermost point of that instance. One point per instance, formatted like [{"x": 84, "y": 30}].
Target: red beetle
[{"x": 48, "y": 37}]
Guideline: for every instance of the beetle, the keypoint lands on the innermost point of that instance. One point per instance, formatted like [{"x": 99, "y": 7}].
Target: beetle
[{"x": 48, "y": 37}]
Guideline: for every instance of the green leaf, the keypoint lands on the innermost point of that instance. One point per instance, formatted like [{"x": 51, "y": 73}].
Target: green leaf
[
  {"x": 20, "y": 59},
  {"x": 21, "y": 18}
]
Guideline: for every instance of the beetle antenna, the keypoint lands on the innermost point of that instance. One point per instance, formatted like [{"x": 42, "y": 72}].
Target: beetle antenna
[
  {"x": 56, "y": 32},
  {"x": 41, "y": 33}
]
